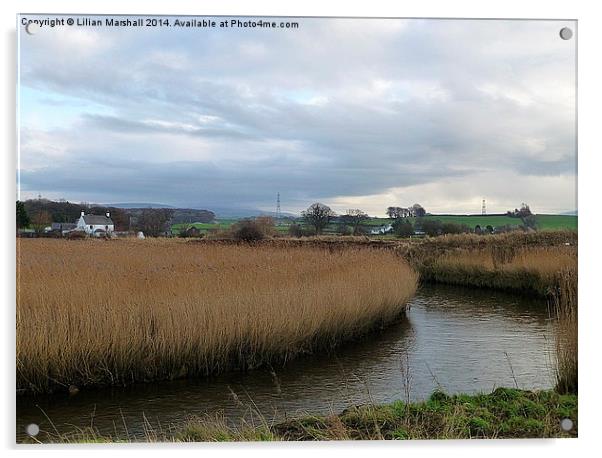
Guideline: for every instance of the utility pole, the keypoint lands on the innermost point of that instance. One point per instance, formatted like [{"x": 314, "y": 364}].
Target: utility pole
[{"x": 278, "y": 212}]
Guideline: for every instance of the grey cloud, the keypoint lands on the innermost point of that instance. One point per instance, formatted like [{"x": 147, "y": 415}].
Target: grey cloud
[{"x": 430, "y": 118}]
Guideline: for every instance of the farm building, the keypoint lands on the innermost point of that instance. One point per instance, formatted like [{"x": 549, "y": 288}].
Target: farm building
[
  {"x": 62, "y": 228},
  {"x": 96, "y": 225},
  {"x": 382, "y": 230}
]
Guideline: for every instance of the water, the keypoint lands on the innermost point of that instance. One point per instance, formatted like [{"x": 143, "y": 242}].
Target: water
[{"x": 457, "y": 339}]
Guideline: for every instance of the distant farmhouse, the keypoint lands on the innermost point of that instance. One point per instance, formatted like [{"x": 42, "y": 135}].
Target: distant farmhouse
[
  {"x": 95, "y": 225},
  {"x": 382, "y": 230}
]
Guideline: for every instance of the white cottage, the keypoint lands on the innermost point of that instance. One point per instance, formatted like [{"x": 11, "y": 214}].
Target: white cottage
[{"x": 95, "y": 225}]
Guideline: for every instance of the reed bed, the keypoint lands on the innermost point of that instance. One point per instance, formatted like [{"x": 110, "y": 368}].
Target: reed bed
[
  {"x": 564, "y": 306},
  {"x": 96, "y": 312},
  {"x": 524, "y": 269}
]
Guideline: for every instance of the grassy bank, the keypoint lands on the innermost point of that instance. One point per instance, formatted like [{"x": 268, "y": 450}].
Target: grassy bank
[
  {"x": 95, "y": 312},
  {"x": 505, "y": 413}
]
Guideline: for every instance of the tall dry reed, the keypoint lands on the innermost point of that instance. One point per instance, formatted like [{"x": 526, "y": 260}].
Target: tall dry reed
[
  {"x": 121, "y": 311},
  {"x": 564, "y": 306},
  {"x": 526, "y": 269}
]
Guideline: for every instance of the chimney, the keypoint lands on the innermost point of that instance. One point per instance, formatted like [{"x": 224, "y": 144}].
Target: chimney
[
  {"x": 108, "y": 214},
  {"x": 82, "y": 213}
]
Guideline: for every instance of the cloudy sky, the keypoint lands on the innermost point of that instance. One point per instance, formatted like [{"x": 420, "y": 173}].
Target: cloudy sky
[{"x": 353, "y": 113}]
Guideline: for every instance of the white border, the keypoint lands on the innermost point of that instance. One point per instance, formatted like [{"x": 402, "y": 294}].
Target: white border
[{"x": 589, "y": 81}]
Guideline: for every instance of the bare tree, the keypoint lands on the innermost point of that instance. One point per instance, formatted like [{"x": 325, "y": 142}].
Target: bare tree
[
  {"x": 354, "y": 218},
  {"x": 318, "y": 216},
  {"x": 154, "y": 221},
  {"x": 40, "y": 220}
]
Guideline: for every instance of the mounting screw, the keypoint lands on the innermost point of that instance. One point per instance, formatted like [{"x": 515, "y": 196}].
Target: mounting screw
[{"x": 566, "y": 33}]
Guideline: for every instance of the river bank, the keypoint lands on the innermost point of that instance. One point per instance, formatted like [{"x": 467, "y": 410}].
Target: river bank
[
  {"x": 454, "y": 339},
  {"x": 504, "y": 413},
  {"x": 472, "y": 339}
]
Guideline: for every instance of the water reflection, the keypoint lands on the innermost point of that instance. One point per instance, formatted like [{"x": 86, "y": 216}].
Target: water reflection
[{"x": 457, "y": 339}]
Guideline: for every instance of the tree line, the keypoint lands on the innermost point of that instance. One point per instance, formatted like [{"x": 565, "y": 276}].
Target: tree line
[{"x": 38, "y": 214}]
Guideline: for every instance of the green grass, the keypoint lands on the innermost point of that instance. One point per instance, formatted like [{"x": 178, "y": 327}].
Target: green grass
[
  {"x": 220, "y": 225},
  {"x": 545, "y": 222},
  {"x": 505, "y": 413},
  {"x": 557, "y": 222}
]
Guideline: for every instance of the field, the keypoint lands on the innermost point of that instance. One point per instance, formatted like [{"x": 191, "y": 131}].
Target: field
[
  {"x": 95, "y": 312},
  {"x": 545, "y": 222}
]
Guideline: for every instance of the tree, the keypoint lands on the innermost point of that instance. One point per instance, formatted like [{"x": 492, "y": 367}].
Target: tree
[
  {"x": 523, "y": 212},
  {"x": 318, "y": 216},
  {"x": 354, "y": 218},
  {"x": 403, "y": 228},
  {"x": 22, "y": 216},
  {"x": 154, "y": 221},
  {"x": 40, "y": 220},
  {"x": 530, "y": 222},
  {"x": 417, "y": 211},
  {"x": 431, "y": 227},
  {"x": 398, "y": 212}
]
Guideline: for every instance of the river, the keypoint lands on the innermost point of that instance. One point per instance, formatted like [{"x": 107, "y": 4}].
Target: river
[{"x": 457, "y": 339}]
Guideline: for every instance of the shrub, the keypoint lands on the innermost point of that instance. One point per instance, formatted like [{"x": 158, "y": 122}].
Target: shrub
[
  {"x": 266, "y": 225},
  {"x": 247, "y": 230},
  {"x": 344, "y": 230},
  {"x": 431, "y": 227},
  {"x": 449, "y": 227},
  {"x": 403, "y": 228},
  {"x": 296, "y": 230}
]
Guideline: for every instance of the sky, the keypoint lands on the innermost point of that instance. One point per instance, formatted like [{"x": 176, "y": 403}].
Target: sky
[{"x": 353, "y": 113}]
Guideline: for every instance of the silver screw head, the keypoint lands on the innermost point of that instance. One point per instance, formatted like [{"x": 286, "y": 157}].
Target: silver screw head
[
  {"x": 32, "y": 429},
  {"x": 566, "y": 33},
  {"x": 32, "y": 28},
  {"x": 566, "y": 424}
]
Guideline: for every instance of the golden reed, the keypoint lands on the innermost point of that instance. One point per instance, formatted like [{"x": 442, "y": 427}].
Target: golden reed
[{"x": 115, "y": 312}]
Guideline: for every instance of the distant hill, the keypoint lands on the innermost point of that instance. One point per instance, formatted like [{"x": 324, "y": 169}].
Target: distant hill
[
  {"x": 233, "y": 213},
  {"x": 138, "y": 205}
]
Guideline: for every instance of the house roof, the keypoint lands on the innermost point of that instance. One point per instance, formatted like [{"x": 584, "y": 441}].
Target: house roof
[{"x": 99, "y": 220}]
